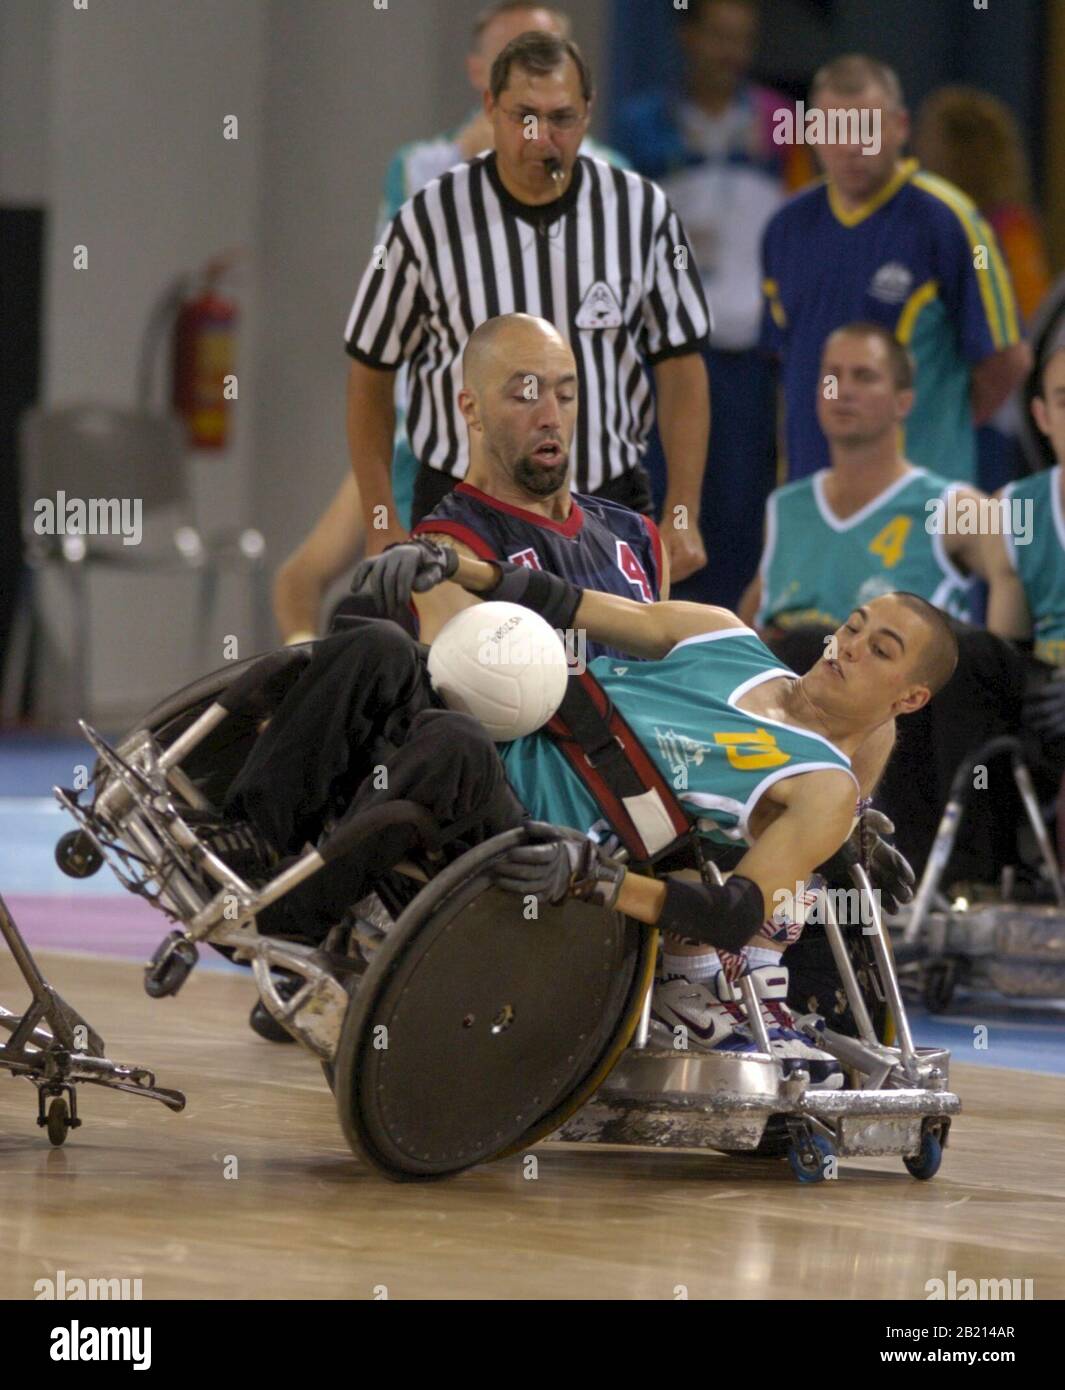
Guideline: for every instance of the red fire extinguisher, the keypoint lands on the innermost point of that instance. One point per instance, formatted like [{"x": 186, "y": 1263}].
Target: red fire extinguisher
[{"x": 205, "y": 362}]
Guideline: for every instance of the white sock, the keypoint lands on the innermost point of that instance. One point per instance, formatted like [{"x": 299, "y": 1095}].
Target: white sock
[
  {"x": 694, "y": 968},
  {"x": 761, "y": 955}
]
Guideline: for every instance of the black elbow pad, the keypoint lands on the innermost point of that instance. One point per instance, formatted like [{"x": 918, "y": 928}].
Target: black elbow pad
[{"x": 726, "y": 915}]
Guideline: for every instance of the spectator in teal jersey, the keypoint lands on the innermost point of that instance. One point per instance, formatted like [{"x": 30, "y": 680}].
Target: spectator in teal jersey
[
  {"x": 336, "y": 540},
  {"x": 1040, "y": 565},
  {"x": 873, "y": 522}
]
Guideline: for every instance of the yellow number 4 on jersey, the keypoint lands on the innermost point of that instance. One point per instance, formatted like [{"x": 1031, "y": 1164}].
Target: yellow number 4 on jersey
[{"x": 890, "y": 543}]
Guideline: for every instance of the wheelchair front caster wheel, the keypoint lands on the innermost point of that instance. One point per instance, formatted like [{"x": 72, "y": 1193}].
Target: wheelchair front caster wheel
[
  {"x": 170, "y": 966},
  {"x": 808, "y": 1157},
  {"x": 925, "y": 1163},
  {"x": 76, "y": 855},
  {"x": 58, "y": 1122}
]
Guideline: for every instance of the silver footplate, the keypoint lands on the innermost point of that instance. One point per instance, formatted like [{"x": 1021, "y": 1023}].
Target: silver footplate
[{"x": 706, "y": 1101}]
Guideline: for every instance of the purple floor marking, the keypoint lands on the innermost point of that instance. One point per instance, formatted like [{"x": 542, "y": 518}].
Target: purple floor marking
[{"x": 119, "y": 927}]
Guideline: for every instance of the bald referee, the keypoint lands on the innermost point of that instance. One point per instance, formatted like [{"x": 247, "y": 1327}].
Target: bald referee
[{"x": 536, "y": 227}]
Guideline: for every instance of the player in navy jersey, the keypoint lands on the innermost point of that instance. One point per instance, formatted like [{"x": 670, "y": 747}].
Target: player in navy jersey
[{"x": 519, "y": 401}]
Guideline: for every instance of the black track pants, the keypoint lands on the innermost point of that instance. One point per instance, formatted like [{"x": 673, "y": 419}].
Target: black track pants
[{"x": 360, "y": 727}]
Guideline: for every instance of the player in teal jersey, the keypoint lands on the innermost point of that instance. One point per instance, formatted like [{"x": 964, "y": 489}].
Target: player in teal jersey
[
  {"x": 872, "y": 522},
  {"x": 817, "y": 564},
  {"x": 1040, "y": 563},
  {"x": 682, "y": 708},
  {"x": 761, "y": 758}
]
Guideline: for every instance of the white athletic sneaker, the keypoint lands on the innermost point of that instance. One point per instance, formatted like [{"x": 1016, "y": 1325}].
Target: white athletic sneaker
[
  {"x": 712, "y": 1024},
  {"x": 793, "y": 1048}
]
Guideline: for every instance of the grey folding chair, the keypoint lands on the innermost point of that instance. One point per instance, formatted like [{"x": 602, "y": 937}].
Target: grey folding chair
[{"x": 115, "y": 455}]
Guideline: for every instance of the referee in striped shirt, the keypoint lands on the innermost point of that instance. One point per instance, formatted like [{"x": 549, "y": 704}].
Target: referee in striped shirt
[{"x": 536, "y": 227}]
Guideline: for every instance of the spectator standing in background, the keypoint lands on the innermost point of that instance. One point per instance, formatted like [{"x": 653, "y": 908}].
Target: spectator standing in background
[
  {"x": 711, "y": 148},
  {"x": 336, "y": 541},
  {"x": 880, "y": 240},
  {"x": 973, "y": 140}
]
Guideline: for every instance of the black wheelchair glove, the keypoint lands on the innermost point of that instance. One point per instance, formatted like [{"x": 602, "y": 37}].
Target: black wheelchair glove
[
  {"x": 557, "y": 867},
  {"x": 1044, "y": 707},
  {"x": 409, "y": 567},
  {"x": 889, "y": 870}
]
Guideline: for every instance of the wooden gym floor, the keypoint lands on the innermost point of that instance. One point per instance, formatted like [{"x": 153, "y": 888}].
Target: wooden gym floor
[{"x": 138, "y": 1192}]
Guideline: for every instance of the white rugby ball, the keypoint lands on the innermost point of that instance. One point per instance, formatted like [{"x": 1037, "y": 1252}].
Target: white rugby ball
[{"x": 503, "y": 664}]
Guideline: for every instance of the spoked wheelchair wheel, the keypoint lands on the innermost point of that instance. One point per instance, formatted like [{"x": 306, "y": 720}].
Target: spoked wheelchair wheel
[{"x": 477, "y": 1030}]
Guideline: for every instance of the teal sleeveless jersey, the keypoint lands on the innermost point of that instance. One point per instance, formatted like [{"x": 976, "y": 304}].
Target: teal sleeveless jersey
[
  {"x": 1041, "y": 562},
  {"x": 817, "y": 569},
  {"x": 718, "y": 759}
]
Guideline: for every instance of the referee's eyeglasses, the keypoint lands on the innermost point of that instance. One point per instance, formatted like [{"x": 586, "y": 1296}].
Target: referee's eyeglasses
[{"x": 562, "y": 121}]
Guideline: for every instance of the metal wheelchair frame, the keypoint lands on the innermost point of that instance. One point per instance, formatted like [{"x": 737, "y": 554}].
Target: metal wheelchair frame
[{"x": 54, "y": 1048}]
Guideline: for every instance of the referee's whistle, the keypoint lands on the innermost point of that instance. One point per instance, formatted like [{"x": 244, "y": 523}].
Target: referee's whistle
[{"x": 554, "y": 168}]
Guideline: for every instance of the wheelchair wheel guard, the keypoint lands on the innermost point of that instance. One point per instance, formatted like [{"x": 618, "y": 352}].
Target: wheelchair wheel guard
[{"x": 476, "y": 1029}]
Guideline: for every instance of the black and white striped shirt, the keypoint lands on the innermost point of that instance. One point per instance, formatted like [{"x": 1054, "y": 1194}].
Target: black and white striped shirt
[{"x": 608, "y": 264}]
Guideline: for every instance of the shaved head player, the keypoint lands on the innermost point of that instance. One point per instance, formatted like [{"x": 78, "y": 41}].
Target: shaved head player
[{"x": 520, "y": 404}]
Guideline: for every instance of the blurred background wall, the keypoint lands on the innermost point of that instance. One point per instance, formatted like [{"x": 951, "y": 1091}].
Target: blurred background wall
[{"x": 111, "y": 119}]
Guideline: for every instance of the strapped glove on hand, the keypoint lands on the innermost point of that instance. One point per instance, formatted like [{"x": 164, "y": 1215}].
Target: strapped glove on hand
[
  {"x": 409, "y": 567},
  {"x": 553, "y": 867},
  {"x": 889, "y": 870}
]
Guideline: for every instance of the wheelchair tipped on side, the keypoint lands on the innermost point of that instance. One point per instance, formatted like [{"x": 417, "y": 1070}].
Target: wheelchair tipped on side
[{"x": 453, "y": 1026}]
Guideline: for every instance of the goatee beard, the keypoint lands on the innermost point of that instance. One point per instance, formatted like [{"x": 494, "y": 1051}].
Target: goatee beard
[{"x": 540, "y": 481}]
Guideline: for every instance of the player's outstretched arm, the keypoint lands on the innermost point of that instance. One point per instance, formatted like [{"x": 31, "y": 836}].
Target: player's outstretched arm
[
  {"x": 814, "y": 824},
  {"x": 643, "y": 629},
  {"x": 816, "y": 820}
]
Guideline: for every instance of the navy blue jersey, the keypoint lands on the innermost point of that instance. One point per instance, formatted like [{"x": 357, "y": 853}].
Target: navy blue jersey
[{"x": 601, "y": 545}]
